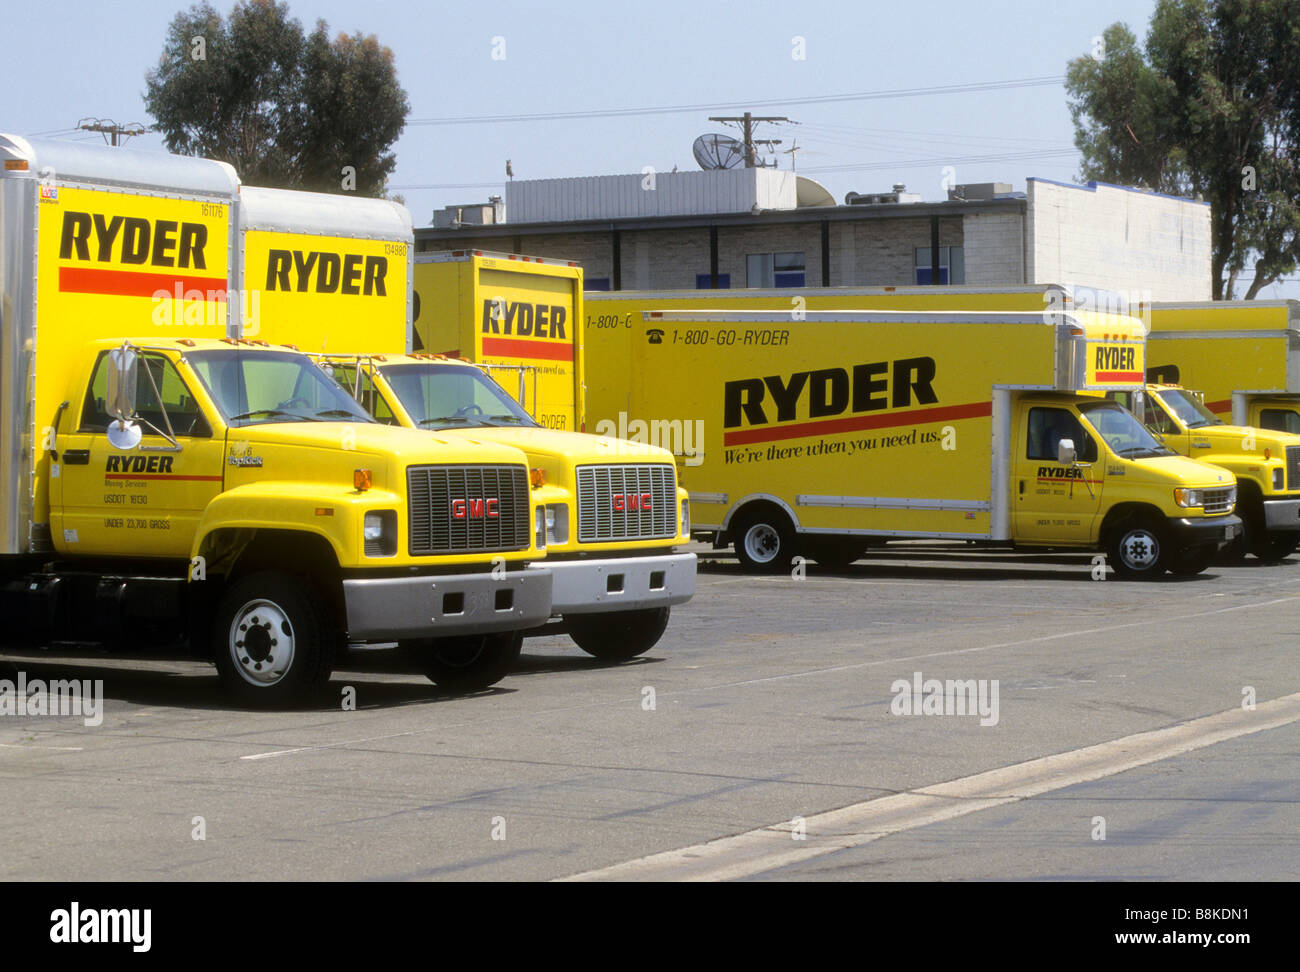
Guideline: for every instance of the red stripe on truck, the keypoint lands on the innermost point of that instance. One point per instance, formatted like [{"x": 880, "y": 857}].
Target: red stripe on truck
[
  {"x": 520, "y": 348},
  {"x": 125, "y": 283},
  {"x": 1120, "y": 376},
  {"x": 858, "y": 423},
  {"x": 1221, "y": 406}
]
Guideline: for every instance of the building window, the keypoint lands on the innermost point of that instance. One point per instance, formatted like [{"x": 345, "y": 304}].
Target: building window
[
  {"x": 774, "y": 270},
  {"x": 702, "y": 281},
  {"x": 595, "y": 283},
  {"x": 952, "y": 265}
]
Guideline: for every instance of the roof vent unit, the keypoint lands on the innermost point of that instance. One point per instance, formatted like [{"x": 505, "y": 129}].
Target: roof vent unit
[
  {"x": 898, "y": 195},
  {"x": 978, "y": 191}
]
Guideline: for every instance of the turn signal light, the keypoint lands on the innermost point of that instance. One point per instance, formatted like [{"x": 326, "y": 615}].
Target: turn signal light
[
  {"x": 361, "y": 479},
  {"x": 537, "y": 477}
]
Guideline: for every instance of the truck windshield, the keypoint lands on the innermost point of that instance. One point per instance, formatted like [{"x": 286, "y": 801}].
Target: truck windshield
[
  {"x": 1122, "y": 431},
  {"x": 1188, "y": 409},
  {"x": 258, "y": 387},
  {"x": 453, "y": 396}
]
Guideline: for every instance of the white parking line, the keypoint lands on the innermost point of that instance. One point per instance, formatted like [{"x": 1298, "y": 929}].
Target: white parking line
[{"x": 775, "y": 846}]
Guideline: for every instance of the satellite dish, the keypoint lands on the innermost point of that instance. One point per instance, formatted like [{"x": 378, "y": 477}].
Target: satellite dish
[
  {"x": 123, "y": 435},
  {"x": 718, "y": 152}
]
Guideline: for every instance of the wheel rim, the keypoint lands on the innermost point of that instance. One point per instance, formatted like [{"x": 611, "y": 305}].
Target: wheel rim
[
  {"x": 1139, "y": 550},
  {"x": 261, "y": 643},
  {"x": 762, "y": 543}
]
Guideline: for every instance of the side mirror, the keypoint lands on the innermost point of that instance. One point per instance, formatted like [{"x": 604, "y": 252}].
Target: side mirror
[
  {"x": 1065, "y": 453},
  {"x": 123, "y": 433}
]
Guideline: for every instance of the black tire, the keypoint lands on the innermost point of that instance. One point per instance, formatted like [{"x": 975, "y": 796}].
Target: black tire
[
  {"x": 469, "y": 663},
  {"x": 1138, "y": 550},
  {"x": 764, "y": 541},
  {"x": 1273, "y": 547},
  {"x": 1192, "y": 561},
  {"x": 1251, "y": 510},
  {"x": 837, "y": 554},
  {"x": 273, "y": 640},
  {"x": 619, "y": 635}
]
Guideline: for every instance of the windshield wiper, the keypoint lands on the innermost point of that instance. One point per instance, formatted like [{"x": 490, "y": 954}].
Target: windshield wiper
[
  {"x": 504, "y": 419},
  {"x": 339, "y": 412},
  {"x": 266, "y": 411},
  {"x": 463, "y": 419}
]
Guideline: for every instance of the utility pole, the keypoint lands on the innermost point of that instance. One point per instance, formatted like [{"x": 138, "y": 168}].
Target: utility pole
[
  {"x": 111, "y": 129},
  {"x": 747, "y": 122}
]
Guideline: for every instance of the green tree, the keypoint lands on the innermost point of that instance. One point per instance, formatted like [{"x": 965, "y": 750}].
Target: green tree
[
  {"x": 1210, "y": 108},
  {"x": 286, "y": 109}
]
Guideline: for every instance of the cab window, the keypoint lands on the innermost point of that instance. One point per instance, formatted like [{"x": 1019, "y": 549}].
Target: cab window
[
  {"x": 172, "y": 395},
  {"x": 1279, "y": 420},
  {"x": 1158, "y": 420},
  {"x": 1048, "y": 426}
]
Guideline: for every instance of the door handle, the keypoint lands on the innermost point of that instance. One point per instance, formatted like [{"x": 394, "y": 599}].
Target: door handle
[
  {"x": 76, "y": 457},
  {"x": 1022, "y": 487}
]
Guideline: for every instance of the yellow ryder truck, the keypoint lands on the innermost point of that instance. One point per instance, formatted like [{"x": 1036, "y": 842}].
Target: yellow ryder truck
[
  {"x": 166, "y": 482},
  {"x": 1242, "y": 358},
  {"x": 826, "y": 434},
  {"x": 518, "y": 316},
  {"x": 613, "y": 510},
  {"x": 612, "y": 323}
]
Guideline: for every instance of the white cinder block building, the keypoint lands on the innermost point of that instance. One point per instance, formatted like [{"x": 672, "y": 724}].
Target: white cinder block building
[{"x": 767, "y": 228}]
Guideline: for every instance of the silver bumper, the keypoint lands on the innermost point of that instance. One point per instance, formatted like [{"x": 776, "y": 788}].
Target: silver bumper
[
  {"x": 621, "y": 583},
  {"x": 1282, "y": 514},
  {"x": 433, "y": 606}
]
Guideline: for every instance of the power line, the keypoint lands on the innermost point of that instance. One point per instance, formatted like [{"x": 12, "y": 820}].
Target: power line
[
  {"x": 734, "y": 106},
  {"x": 111, "y": 129}
]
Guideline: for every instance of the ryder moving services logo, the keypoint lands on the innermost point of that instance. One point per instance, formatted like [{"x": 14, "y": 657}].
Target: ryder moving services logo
[
  {"x": 111, "y": 250},
  {"x": 829, "y": 401},
  {"x": 526, "y": 329}
]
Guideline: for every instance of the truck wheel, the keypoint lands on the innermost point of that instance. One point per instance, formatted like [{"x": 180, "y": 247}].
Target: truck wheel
[
  {"x": 619, "y": 635},
  {"x": 764, "y": 542},
  {"x": 1192, "y": 561},
  {"x": 470, "y": 663},
  {"x": 1137, "y": 549},
  {"x": 273, "y": 642},
  {"x": 1276, "y": 546}
]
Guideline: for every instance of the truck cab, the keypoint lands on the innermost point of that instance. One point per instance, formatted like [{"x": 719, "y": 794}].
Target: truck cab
[
  {"x": 1265, "y": 461},
  {"x": 1088, "y": 473},
  {"x": 230, "y": 490},
  {"x": 613, "y": 509}
]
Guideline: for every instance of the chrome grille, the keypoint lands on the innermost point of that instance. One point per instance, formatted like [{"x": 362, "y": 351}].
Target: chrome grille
[
  {"x": 1292, "y": 467},
  {"x": 433, "y": 492},
  {"x": 598, "y": 486},
  {"x": 1218, "y": 500}
]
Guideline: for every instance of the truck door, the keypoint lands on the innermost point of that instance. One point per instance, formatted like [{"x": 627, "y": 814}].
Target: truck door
[
  {"x": 1052, "y": 501},
  {"x": 145, "y": 501}
]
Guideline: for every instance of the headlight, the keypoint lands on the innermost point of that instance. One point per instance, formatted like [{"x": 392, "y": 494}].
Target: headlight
[
  {"x": 1189, "y": 497},
  {"x": 557, "y": 524},
  {"x": 539, "y": 527},
  {"x": 686, "y": 518},
  {"x": 379, "y": 530}
]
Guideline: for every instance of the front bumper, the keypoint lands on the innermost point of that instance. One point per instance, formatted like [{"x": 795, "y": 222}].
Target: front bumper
[
  {"x": 441, "y": 605},
  {"x": 621, "y": 583},
  {"x": 1282, "y": 514},
  {"x": 1203, "y": 531}
]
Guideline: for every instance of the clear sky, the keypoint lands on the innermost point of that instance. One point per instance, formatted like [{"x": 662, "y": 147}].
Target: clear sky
[{"x": 68, "y": 60}]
